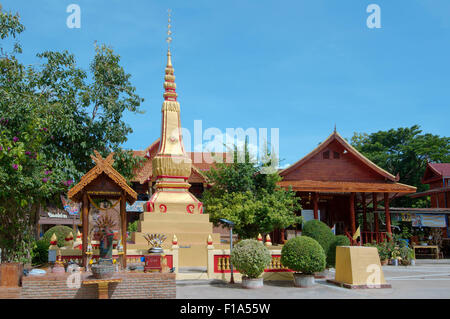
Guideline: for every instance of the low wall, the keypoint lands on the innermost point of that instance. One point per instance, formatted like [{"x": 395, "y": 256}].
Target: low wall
[
  {"x": 219, "y": 265},
  {"x": 133, "y": 256},
  {"x": 133, "y": 285}
]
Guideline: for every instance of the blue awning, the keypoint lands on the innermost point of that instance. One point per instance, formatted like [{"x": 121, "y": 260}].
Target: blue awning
[{"x": 138, "y": 206}]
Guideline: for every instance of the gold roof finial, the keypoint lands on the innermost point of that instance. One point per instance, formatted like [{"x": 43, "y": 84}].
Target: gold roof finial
[
  {"x": 169, "y": 36},
  {"x": 169, "y": 26}
]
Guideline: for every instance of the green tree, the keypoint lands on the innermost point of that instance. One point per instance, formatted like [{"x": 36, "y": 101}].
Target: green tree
[
  {"x": 405, "y": 151},
  {"x": 250, "y": 199},
  {"x": 52, "y": 117}
]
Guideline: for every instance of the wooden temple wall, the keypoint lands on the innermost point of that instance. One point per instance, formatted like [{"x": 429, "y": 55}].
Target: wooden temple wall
[{"x": 319, "y": 168}]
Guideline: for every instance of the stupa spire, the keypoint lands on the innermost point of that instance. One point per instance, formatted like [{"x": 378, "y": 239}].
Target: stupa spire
[
  {"x": 171, "y": 208},
  {"x": 171, "y": 166},
  {"x": 169, "y": 78}
]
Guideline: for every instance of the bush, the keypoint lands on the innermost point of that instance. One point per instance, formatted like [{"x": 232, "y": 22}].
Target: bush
[
  {"x": 320, "y": 232},
  {"x": 339, "y": 240},
  {"x": 39, "y": 254},
  {"x": 303, "y": 254},
  {"x": 132, "y": 227},
  {"x": 250, "y": 257},
  {"x": 61, "y": 233}
]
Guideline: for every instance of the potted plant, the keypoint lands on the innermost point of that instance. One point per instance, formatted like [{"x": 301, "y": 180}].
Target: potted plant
[
  {"x": 305, "y": 256},
  {"x": 383, "y": 252},
  {"x": 250, "y": 257},
  {"x": 407, "y": 255},
  {"x": 395, "y": 256}
]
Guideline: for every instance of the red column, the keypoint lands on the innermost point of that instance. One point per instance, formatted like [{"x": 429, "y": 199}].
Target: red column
[
  {"x": 85, "y": 221},
  {"x": 375, "y": 214},
  {"x": 387, "y": 213},
  {"x": 316, "y": 205},
  {"x": 363, "y": 195},
  {"x": 352, "y": 213},
  {"x": 123, "y": 220}
]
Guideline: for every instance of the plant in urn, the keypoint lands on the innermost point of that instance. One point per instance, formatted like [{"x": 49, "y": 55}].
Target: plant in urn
[{"x": 105, "y": 267}]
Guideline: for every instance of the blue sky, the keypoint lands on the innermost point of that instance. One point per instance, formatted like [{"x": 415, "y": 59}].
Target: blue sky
[{"x": 301, "y": 66}]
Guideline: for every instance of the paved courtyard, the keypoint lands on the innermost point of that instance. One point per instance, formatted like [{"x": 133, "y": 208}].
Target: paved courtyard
[{"x": 429, "y": 280}]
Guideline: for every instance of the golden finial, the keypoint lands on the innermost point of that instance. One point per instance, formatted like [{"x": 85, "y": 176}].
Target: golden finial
[{"x": 169, "y": 26}]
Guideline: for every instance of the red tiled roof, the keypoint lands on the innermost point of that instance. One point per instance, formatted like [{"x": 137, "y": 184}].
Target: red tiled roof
[
  {"x": 201, "y": 162},
  {"x": 442, "y": 169}
]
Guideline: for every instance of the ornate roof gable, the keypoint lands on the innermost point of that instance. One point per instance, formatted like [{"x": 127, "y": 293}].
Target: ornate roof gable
[
  {"x": 336, "y": 137},
  {"x": 103, "y": 165}
]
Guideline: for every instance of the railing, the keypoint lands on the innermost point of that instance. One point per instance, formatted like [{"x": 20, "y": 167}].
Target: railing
[
  {"x": 370, "y": 237},
  {"x": 134, "y": 257},
  {"x": 367, "y": 237},
  {"x": 219, "y": 262}
]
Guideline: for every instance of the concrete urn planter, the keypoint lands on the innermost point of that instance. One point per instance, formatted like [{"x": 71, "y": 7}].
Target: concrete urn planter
[
  {"x": 303, "y": 281},
  {"x": 252, "y": 283},
  {"x": 322, "y": 274}
]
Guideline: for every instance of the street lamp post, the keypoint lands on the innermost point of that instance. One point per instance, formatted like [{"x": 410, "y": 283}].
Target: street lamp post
[{"x": 230, "y": 225}]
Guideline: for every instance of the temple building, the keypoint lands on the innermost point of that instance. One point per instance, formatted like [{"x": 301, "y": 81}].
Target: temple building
[
  {"x": 334, "y": 178},
  {"x": 437, "y": 176}
]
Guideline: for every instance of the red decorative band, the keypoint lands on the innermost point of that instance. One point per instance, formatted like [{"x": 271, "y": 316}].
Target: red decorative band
[
  {"x": 167, "y": 176},
  {"x": 178, "y": 187}
]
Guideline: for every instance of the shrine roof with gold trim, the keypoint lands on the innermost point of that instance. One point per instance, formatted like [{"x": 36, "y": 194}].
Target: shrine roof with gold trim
[{"x": 103, "y": 166}]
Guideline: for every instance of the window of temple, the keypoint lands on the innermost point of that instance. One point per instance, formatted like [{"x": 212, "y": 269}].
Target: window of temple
[
  {"x": 336, "y": 155},
  {"x": 326, "y": 155}
]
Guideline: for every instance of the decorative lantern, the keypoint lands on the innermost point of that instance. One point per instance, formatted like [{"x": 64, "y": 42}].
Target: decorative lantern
[
  {"x": 268, "y": 241},
  {"x": 69, "y": 240},
  {"x": 210, "y": 241},
  {"x": 53, "y": 242},
  {"x": 78, "y": 242},
  {"x": 260, "y": 238}
]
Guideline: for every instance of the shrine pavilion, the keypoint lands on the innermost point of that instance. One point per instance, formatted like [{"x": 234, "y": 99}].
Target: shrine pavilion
[{"x": 334, "y": 178}]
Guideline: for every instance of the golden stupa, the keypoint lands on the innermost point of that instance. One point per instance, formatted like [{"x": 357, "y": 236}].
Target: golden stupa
[{"x": 172, "y": 209}]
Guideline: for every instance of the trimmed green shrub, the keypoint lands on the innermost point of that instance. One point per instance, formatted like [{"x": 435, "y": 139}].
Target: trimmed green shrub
[
  {"x": 39, "y": 254},
  {"x": 303, "y": 254},
  {"x": 339, "y": 240},
  {"x": 61, "y": 233},
  {"x": 250, "y": 257},
  {"x": 132, "y": 227},
  {"x": 320, "y": 232}
]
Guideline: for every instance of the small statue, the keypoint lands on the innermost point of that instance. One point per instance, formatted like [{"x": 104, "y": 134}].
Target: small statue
[
  {"x": 105, "y": 267},
  {"x": 59, "y": 264},
  {"x": 105, "y": 223}
]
